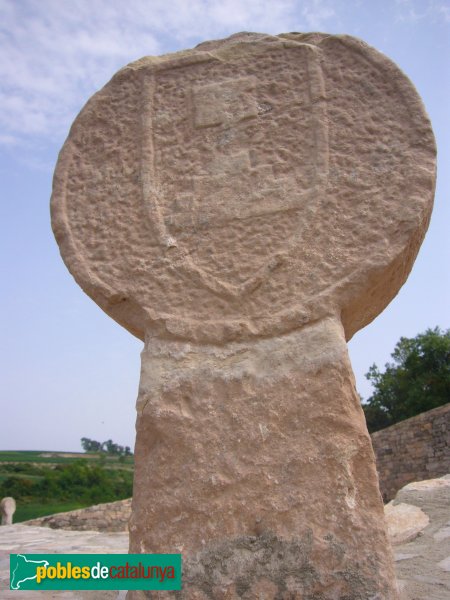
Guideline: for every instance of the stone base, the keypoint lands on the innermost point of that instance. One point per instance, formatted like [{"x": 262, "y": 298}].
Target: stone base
[{"x": 253, "y": 460}]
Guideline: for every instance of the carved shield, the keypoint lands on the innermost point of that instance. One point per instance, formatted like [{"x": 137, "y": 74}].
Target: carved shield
[{"x": 229, "y": 149}]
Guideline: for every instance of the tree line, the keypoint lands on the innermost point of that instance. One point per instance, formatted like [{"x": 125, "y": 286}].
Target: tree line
[
  {"x": 417, "y": 380},
  {"x": 108, "y": 447}
]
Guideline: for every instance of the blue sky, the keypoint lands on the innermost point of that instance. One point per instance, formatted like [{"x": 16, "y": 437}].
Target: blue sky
[{"x": 67, "y": 370}]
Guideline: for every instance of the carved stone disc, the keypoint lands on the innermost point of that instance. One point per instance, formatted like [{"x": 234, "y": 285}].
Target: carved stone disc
[{"x": 246, "y": 187}]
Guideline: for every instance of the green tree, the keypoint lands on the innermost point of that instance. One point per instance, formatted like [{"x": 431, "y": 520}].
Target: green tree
[
  {"x": 417, "y": 380},
  {"x": 89, "y": 445},
  {"x": 108, "y": 447}
]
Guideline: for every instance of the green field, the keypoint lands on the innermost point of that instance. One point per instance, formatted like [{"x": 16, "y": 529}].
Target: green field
[
  {"x": 29, "y": 511},
  {"x": 46, "y": 482},
  {"x": 42, "y": 456}
]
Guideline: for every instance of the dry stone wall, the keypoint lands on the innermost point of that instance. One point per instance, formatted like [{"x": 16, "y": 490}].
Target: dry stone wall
[
  {"x": 413, "y": 450},
  {"x": 111, "y": 516}
]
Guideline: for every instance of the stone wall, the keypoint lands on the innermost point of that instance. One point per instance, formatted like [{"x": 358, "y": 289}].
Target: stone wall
[
  {"x": 111, "y": 516},
  {"x": 413, "y": 450}
]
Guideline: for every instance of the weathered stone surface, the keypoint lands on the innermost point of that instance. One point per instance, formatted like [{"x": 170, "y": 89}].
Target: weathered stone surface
[
  {"x": 259, "y": 464},
  {"x": 246, "y": 187},
  {"x": 245, "y": 207},
  {"x": 422, "y": 563},
  {"x": 404, "y": 521},
  {"x": 7, "y": 510}
]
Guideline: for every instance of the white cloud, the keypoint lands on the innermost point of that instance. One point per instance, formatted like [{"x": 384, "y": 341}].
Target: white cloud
[
  {"x": 8, "y": 140},
  {"x": 418, "y": 10},
  {"x": 55, "y": 54}
]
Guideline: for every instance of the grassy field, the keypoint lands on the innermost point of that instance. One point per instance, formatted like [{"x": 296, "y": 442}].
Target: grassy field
[
  {"x": 46, "y": 482},
  {"x": 25, "y": 512},
  {"x": 38, "y": 456}
]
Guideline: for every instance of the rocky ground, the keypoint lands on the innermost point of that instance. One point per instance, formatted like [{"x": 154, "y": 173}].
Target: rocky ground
[{"x": 418, "y": 523}]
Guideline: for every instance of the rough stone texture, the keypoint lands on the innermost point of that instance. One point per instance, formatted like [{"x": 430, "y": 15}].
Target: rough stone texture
[
  {"x": 109, "y": 516},
  {"x": 245, "y": 480},
  {"x": 422, "y": 563},
  {"x": 413, "y": 450},
  {"x": 7, "y": 510},
  {"x": 246, "y": 187},
  {"x": 245, "y": 207},
  {"x": 404, "y": 521},
  {"x": 420, "y": 566}
]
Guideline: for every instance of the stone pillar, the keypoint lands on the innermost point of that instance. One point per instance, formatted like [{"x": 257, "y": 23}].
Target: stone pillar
[
  {"x": 254, "y": 461},
  {"x": 7, "y": 510},
  {"x": 244, "y": 208}
]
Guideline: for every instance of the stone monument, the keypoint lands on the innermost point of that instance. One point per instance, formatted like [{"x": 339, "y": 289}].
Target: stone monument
[
  {"x": 244, "y": 208},
  {"x": 7, "y": 510}
]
